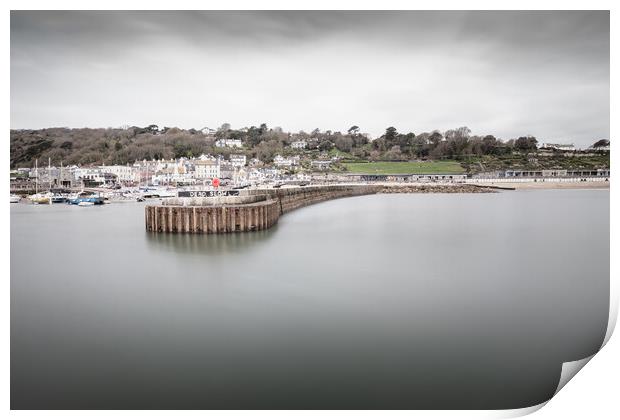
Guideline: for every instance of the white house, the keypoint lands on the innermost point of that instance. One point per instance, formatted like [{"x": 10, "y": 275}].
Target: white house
[
  {"x": 170, "y": 177},
  {"x": 94, "y": 175},
  {"x": 564, "y": 147},
  {"x": 206, "y": 157},
  {"x": 208, "y": 131},
  {"x": 299, "y": 144},
  {"x": 86, "y": 173},
  {"x": 229, "y": 143},
  {"x": 123, "y": 173},
  {"x": 238, "y": 160},
  {"x": 254, "y": 175},
  {"x": 206, "y": 169},
  {"x": 321, "y": 164},
  {"x": 286, "y": 161}
]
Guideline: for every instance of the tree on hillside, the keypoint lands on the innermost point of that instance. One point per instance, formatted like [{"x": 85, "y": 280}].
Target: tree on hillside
[
  {"x": 526, "y": 144},
  {"x": 406, "y": 142},
  {"x": 153, "y": 129},
  {"x": 420, "y": 145},
  {"x": 474, "y": 146},
  {"x": 457, "y": 142},
  {"x": 325, "y": 145},
  {"x": 359, "y": 140},
  {"x": 344, "y": 144},
  {"x": 601, "y": 143},
  {"x": 115, "y": 145},
  {"x": 374, "y": 156},
  {"x": 441, "y": 151},
  {"x": 394, "y": 154},
  {"x": 490, "y": 145},
  {"x": 67, "y": 145},
  {"x": 390, "y": 134},
  {"x": 266, "y": 150},
  {"x": 435, "y": 138}
]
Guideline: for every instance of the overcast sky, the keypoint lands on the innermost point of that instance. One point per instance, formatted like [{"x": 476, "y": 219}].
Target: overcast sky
[{"x": 503, "y": 73}]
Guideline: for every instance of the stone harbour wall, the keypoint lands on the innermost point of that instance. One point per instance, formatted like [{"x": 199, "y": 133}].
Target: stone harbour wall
[
  {"x": 260, "y": 209},
  {"x": 243, "y": 213},
  {"x": 212, "y": 219},
  {"x": 294, "y": 198}
]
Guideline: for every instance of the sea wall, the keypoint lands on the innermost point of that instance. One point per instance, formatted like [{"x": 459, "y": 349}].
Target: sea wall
[
  {"x": 252, "y": 210},
  {"x": 212, "y": 219},
  {"x": 260, "y": 209},
  {"x": 294, "y": 198}
]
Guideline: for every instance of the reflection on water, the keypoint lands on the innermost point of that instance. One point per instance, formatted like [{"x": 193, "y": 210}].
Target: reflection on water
[
  {"x": 208, "y": 244},
  {"x": 387, "y": 301}
]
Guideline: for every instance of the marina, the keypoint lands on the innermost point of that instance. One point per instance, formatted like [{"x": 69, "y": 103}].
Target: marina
[{"x": 117, "y": 193}]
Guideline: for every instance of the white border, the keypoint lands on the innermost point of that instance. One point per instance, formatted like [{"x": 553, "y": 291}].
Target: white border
[{"x": 593, "y": 394}]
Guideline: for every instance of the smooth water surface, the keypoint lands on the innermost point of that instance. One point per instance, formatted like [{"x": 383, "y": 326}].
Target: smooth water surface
[{"x": 384, "y": 301}]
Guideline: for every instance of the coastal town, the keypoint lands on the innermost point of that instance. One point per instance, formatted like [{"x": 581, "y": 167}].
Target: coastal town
[
  {"x": 301, "y": 209},
  {"x": 301, "y": 161}
]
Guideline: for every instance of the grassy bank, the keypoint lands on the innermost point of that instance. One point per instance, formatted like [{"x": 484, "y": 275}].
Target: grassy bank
[
  {"x": 535, "y": 162},
  {"x": 389, "y": 168}
]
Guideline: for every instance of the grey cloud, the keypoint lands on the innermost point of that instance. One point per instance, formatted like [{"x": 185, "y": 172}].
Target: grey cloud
[{"x": 540, "y": 72}]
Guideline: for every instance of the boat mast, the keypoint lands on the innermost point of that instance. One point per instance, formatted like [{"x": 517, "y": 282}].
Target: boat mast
[
  {"x": 36, "y": 176},
  {"x": 49, "y": 171}
]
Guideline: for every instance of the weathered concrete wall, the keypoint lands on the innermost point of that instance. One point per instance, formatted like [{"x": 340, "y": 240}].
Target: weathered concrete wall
[{"x": 244, "y": 213}]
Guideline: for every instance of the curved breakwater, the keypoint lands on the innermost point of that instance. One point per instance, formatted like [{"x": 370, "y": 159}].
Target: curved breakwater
[
  {"x": 250, "y": 211},
  {"x": 212, "y": 219},
  {"x": 255, "y": 210}
]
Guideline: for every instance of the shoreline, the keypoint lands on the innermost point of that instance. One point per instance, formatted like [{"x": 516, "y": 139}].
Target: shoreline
[
  {"x": 430, "y": 188},
  {"x": 477, "y": 187},
  {"x": 549, "y": 185}
]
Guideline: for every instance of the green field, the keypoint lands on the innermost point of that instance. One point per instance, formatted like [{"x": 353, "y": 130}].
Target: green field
[{"x": 390, "y": 168}]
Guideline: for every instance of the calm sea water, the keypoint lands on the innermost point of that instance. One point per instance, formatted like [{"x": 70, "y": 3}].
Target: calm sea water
[{"x": 386, "y": 301}]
